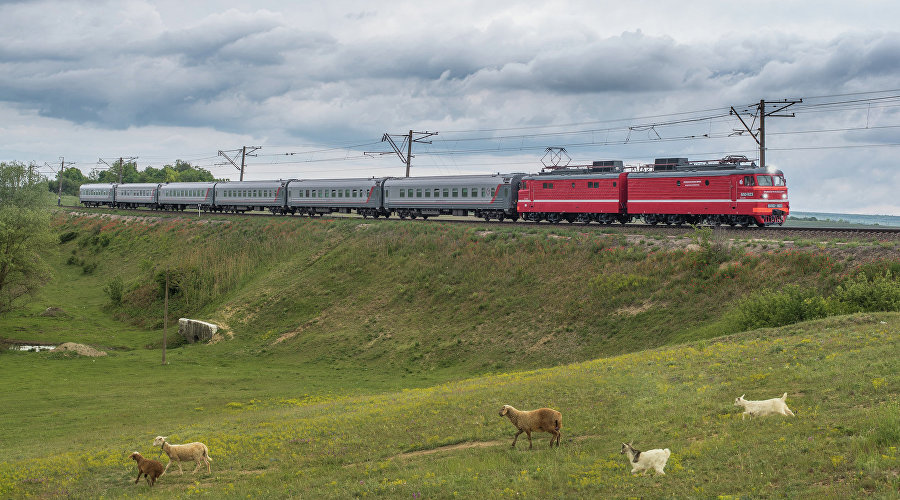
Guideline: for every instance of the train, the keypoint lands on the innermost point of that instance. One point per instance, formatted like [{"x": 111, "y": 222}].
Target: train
[{"x": 731, "y": 191}]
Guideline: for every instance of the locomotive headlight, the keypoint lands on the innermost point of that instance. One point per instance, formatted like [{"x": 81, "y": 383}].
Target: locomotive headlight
[
  {"x": 765, "y": 196},
  {"x": 784, "y": 196}
]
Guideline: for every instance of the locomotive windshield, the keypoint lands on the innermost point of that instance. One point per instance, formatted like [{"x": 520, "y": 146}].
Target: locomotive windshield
[{"x": 770, "y": 180}]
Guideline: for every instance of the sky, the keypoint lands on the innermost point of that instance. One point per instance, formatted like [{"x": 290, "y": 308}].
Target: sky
[{"x": 317, "y": 85}]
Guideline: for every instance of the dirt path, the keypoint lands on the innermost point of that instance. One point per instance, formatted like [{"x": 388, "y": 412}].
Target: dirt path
[
  {"x": 472, "y": 444},
  {"x": 450, "y": 447}
]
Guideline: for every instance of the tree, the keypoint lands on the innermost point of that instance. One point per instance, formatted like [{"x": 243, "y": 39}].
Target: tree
[
  {"x": 24, "y": 232},
  {"x": 182, "y": 171},
  {"x": 72, "y": 179}
]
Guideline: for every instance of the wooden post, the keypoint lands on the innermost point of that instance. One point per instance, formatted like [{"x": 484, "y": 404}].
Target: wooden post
[{"x": 166, "y": 318}]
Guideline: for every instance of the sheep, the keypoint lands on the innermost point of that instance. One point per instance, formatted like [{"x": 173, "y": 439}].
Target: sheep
[
  {"x": 541, "y": 420},
  {"x": 184, "y": 453},
  {"x": 151, "y": 469},
  {"x": 642, "y": 461},
  {"x": 763, "y": 408}
]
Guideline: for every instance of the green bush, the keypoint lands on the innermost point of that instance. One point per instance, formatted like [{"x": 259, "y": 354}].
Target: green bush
[
  {"x": 779, "y": 308},
  {"x": 114, "y": 290},
  {"x": 67, "y": 236},
  {"x": 861, "y": 293}
]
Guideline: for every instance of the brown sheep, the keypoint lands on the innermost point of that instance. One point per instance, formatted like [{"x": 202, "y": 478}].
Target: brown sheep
[
  {"x": 151, "y": 469},
  {"x": 541, "y": 420}
]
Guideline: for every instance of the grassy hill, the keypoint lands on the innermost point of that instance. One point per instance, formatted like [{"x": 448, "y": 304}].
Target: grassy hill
[{"x": 370, "y": 358}]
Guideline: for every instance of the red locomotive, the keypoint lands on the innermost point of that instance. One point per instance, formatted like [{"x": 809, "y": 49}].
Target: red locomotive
[{"x": 731, "y": 191}]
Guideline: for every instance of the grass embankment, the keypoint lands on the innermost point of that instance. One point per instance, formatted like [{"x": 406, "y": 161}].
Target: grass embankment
[
  {"x": 368, "y": 308},
  {"x": 423, "y": 298}
]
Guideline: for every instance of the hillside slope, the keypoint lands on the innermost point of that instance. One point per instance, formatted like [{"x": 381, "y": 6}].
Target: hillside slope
[
  {"x": 447, "y": 440},
  {"x": 431, "y": 297}
]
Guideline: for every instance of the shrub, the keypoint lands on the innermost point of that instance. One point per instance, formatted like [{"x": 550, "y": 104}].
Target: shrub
[
  {"x": 779, "y": 308},
  {"x": 67, "y": 237},
  {"x": 860, "y": 293},
  {"x": 857, "y": 293},
  {"x": 114, "y": 289}
]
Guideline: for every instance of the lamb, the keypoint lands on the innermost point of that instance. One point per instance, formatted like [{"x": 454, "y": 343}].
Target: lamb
[
  {"x": 541, "y": 420},
  {"x": 642, "y": 461},
  {"x": 184, "y": 453},
  {"x": 151, "y": 469},
  {"x": 763, "y": 408}
]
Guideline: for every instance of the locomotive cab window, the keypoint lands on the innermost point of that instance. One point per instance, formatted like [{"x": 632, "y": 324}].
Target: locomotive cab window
[{"x": 764, "y": 180}]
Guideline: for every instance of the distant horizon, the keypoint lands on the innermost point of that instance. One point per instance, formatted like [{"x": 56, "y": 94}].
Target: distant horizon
[{"x": 794, "y": 212}]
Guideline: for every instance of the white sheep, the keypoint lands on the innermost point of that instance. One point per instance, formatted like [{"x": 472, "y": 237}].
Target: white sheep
[
  {"x": 642, "y": 461},
  {"x": 184, "y": 453},
  {"x": 541, "y": 420},
  {"x": 763, "y": 408}
]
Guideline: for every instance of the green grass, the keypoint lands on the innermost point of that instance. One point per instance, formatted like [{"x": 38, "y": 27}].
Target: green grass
[
  {"x": 274, "y": 441},
  {"x": 402, "y": 337}
]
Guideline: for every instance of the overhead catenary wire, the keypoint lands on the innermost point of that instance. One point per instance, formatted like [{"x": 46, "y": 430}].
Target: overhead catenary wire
[{"x": 716, "y": 126}]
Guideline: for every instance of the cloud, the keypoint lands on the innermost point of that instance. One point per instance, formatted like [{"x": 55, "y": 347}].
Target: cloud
[{"x": 350, "y": 72}]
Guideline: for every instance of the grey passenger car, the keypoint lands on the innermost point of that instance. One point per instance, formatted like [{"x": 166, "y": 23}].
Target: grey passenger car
[
  {"x": 95, "y": 195},
  {"x": 251, "y": 195},
  {"x": 489, "y": 196},
  {"x": 325, "y": 196}
]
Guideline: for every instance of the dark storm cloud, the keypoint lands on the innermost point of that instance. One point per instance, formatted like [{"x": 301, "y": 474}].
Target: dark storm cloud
[
  {"x": 152, "y": 80},
  {"x": 235, "y": 69}
]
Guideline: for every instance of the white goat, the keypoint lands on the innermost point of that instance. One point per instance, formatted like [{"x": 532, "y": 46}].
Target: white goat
[
  {"x": 642, "y": 461},
  {"x": 197, "y": 452},
  {"x": 763, "y": 408}
]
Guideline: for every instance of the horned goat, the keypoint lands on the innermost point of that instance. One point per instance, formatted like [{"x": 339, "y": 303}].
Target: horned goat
[
  {"x": 178, "y": 453},
  {"x": 763, "y": 408},
  {"x": 642, "y": 461},
  {"x": 541, "y": 420},
  {"x": 151, "y": 469}
]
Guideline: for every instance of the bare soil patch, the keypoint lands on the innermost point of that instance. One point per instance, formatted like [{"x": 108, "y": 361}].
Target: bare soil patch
[{"x": 80, "y": 349}]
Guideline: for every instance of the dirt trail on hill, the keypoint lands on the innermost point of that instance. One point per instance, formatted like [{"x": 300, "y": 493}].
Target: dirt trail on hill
[{"x": 474, "y": 444}]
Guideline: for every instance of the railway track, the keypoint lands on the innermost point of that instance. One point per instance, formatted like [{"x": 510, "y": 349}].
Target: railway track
[{"x": 774, "y": 232}]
